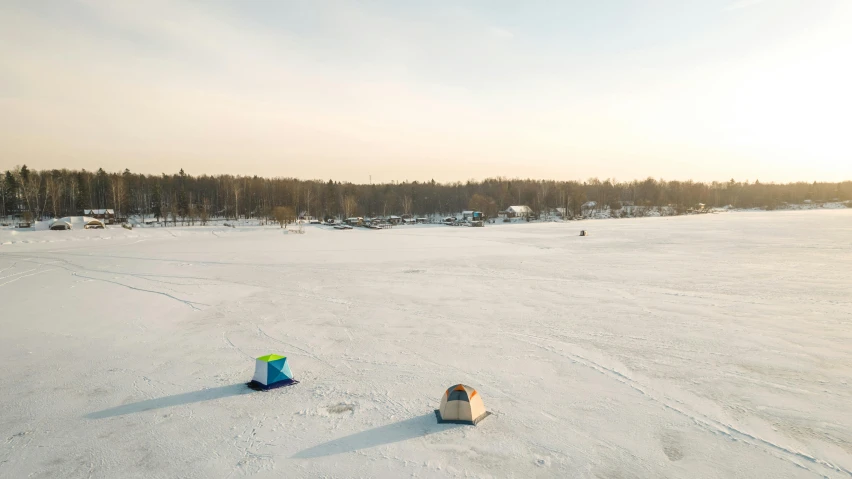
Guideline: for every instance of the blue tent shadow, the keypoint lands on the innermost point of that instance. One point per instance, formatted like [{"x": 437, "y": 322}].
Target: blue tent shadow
[
  {"x": 419, "y": 426},
  {"x": 175, "y": 400}
]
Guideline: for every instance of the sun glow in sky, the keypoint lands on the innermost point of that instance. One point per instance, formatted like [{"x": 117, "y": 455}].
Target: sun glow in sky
[{"x": 708, "y": 90}]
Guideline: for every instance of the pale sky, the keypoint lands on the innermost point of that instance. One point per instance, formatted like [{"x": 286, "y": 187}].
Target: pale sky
[{"x": 396, "y": 89}]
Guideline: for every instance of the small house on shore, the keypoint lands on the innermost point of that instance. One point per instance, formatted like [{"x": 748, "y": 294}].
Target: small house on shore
[
  {"x": 472, "y": 216},
  {"x": 519, "y": 211},
  {"x": 105, "y": 215},
  {"x": 304, "y": 217}
]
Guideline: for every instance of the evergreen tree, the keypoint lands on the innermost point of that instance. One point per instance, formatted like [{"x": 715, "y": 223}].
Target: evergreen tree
[
  {"x": 10, "y": 197},
  {"x": 84, "y": 194},
  {"x": 101, "y": 188},
  {"x": 157, "y": 202},
  {"x": 183, "y": 201}
]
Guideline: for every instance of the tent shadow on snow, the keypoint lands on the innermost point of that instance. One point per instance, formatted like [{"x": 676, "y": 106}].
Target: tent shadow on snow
[
  {"x": 419, "y": 426},
  {"x": 175, "y": 400}
]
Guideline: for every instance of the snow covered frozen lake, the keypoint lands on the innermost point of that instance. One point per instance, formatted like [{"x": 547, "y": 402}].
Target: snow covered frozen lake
[{"x": 683, "y": 347}]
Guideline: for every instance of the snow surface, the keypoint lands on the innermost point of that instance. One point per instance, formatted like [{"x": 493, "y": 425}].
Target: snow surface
[{"x": 695, "y": 346}]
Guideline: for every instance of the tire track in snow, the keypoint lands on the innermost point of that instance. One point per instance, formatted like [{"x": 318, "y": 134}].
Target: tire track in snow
[
  {"x": 144, "y": 276},
  {"x": 10, "y": 267},
  {"x": 306, "y": 352},
  {"x": 25, "y": 276},
  {"x": 698, "y": 418},
  {"x": 234, "y": 346},
  {"x": 187, "y": 302},
  {"x": 21, "y": 272},
  {"x": 701, "y": 420}
]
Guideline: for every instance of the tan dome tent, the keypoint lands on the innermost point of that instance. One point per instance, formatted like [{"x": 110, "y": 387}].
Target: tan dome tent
[
  {"x": 461, "y": 405},
  {"x": 92, "y": 223}
]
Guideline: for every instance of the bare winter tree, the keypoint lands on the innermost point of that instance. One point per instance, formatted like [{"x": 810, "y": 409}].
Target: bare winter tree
[
  {"x": 389, "y": 202},
  {"x": 117, "y": 187},
  {"x": 173, "y": 210},
  {"x": 563, "y": 202},
  {"x": 47, "y": 193},
  {"x": 57, "y": 195},
  {"x": 284, "y": 215},
  {"x": 204, "y": 213},
  {"x": 54, "y": 190},
  {"x": 578, "y": 198},
  {"x": 541, "y": 199},
  {"x": 71, "y": 193},
  {"x": 309, "y": 195},
  {"x": 407, "y": 203},
  {"x": 504, "y": 194},
  {"x": 350, "y": 203},
  {"x": 193, "y": 211},
  {"x": 48, "y": 189},
  {"x": 483, "y": 204},
  {"x": 295, "y": 188},
  {"x": 237, "y": 191},
  {"x": 141, "y": 198},
  {"x": 162, "y": 207},
  {"x": 31, "y": 184}
]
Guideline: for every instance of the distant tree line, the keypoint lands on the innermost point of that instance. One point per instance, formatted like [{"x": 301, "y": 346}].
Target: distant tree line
[{"x": 187, "y": 198}]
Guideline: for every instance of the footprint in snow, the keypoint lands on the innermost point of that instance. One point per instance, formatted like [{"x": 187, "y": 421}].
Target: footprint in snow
[
  {"x": 671, "y": 443},
  {"x": 341, "y": 408}
]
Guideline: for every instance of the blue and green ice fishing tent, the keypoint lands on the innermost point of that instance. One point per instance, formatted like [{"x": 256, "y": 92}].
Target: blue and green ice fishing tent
[{"x": 271, "y": 371}]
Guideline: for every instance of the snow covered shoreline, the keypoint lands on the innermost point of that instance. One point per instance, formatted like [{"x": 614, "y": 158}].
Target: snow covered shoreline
[
  {"x": 656, "y": 211},
  {"x": 637, "y": 212},
  {"x": 686, "y": 346}
]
